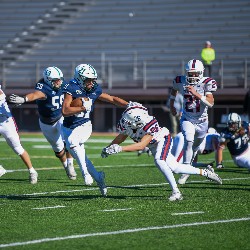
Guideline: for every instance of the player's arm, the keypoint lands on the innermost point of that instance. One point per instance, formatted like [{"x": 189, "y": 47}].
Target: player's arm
[
  {"x": 67, "y": 110},
  {"x": 139, "y": 145},
  {"x": 112, "y": 99},
  {"x": 208, "y": 99},
  {"x": 219, "y": 154},
  {"x": 27, "y": 98}
]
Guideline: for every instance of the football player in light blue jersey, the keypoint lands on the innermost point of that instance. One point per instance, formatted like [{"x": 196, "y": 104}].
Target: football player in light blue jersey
[
  {"x": 77, "y": 126},
  {"x": 236, "y": 137},
  {"x": 49, "y": 98}
]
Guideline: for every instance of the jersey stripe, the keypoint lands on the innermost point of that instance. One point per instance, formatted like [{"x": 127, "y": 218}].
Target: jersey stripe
[
  {"x": 166, "y": 147},
  {"x": 148, "y": 125}
]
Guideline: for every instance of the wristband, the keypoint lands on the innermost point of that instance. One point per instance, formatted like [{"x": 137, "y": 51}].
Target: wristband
[{"x": 206, "y": 102}]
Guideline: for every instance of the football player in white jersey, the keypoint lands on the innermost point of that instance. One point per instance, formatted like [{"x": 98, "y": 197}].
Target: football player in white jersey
[
  {"x": 8, "y": 129},
  {"x": 145, "y": 130},
  {"x": 208, "y": 145},
  {"x": 49, "y": 98},
  {"x": 197, "y": 92}
]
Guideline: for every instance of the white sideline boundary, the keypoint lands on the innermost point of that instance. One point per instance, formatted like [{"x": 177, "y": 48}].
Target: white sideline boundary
[{"x": 134, "y": 230}]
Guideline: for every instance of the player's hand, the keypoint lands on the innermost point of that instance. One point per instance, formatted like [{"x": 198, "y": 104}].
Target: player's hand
[
  {"x": 190, "y": 88},
  {"x": 87, "y": 104},
  {"x": 17, "y": 99},
  {"x": 113, "y": 149}
]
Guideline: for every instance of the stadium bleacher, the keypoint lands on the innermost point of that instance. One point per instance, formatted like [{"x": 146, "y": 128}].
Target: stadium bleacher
[{"x": 139, "y": 44}]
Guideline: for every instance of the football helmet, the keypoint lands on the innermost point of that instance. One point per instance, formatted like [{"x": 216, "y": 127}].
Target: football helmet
[
  {"x": 233, "y": 122},
  {"x": 135, "y": 117},
  {"x": 51, "y": 75},
  {"x": 84, "y": 72},
  {"x": 194, "y": 71}
]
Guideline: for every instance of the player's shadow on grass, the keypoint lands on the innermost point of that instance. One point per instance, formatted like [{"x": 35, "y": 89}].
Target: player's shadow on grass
[
  {"x": 216, "y": 187},
  {"x": 233, "y": 170}
]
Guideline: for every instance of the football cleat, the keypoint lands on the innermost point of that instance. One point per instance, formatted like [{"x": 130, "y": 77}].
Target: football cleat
[
  {"x": 70, "y": 171},
  {"x": 2, "y": 171},
  {"x": 102, "y": 185},
  {"x": 33, "y": 178},
  {"x": 211, "y": 175},
  {"x": 175, "y": 196},
  {"x": 182, "y": 180},
  {"x": 88, "y": 180}
]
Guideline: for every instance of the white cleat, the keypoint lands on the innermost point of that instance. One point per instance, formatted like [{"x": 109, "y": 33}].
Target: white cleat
[
  {"x": 102, "y": 185},
  {"x": 33, "y": 178},
  {"x": 2, "y": 171},
  {"x": 182, "y": 180},
  {"x": 175, "y": 196},
  {"x": 211, "y": 175},
  {"x": 88, "y": 180},
  {"x": 70, "y": 171}
]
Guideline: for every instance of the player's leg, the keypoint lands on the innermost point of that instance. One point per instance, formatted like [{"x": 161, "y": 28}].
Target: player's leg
[
  {"x": 12, "y": 138},
  {"x": 177, "y": 148},
  {"x": 188, "y": 130},
  {"x": 243, "y": 160},
  {"x": 161, "y": 153},
  {"x": 179, "y": 168},
  {"x": 53, "y": 135}
]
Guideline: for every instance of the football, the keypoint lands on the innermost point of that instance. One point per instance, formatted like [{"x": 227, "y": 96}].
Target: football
[{"x": 78, "y": 102}]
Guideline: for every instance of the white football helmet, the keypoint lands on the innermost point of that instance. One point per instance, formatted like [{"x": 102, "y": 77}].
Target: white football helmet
[
  {"x": 233, "y": 122},
  {"x": 135, "y": 117},
  {"x": 194, "y": 71},
  {"x": 83, "y": 72},
  {"x": 52, "y": 74}
]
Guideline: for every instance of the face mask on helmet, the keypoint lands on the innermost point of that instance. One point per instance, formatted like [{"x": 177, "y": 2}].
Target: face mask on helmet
[
  {"x": 53, "y": 76},
  {"x": 86, "y": 76},
  {"x": 135, "y": 117},
  {"x": 194, "y": 71},
  {"x": 233, "y": 122}
]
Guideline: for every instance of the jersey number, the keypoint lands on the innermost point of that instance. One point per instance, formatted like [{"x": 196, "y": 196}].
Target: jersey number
[
  {"x": 57, "y": 101},
  {"x": 192, "y": 104}
]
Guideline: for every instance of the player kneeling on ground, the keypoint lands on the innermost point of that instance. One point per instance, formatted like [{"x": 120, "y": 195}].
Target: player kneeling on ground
[{"x": 145, "y": 131}]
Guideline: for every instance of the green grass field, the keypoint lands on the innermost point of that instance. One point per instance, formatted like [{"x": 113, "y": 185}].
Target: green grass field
[{"x": 58, "y": 213}]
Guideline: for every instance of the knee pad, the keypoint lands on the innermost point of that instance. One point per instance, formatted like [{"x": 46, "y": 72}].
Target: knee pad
[{"x": 60, "y": 154}]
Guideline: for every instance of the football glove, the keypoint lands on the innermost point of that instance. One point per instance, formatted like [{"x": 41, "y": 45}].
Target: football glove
[
  {"x": 104, "y": 154},
  {"x": 220, "y": 165},
  {"x": 113, "y": 149},
  {"x": 87, "y": 104},
  {"x": 17, "y": 99}
]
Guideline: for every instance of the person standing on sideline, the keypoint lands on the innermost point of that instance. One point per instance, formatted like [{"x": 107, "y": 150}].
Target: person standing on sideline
[
  {"x": 208, "y": 56},
  {"x": 77, "y": 126},
  {"x": 246, "y": 106},
  {"x": 8, "y": 129},
  {"x": 175, "y": 119},
  {"x": 198, "y": 96},
  {"x": 145, "y": 130},
  {"x": 49, "y": 97}
]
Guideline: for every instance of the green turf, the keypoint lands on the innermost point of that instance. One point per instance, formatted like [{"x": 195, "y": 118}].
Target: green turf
[{"x": 58, "y": 213}]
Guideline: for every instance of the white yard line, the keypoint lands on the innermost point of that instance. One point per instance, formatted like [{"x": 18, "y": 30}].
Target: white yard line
[
  {"x": 44, "y": 208},
  {"x": 198, "y": 212},
  {"x": 114, "y": 210},
  {"x": 132, "y": 230}
]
